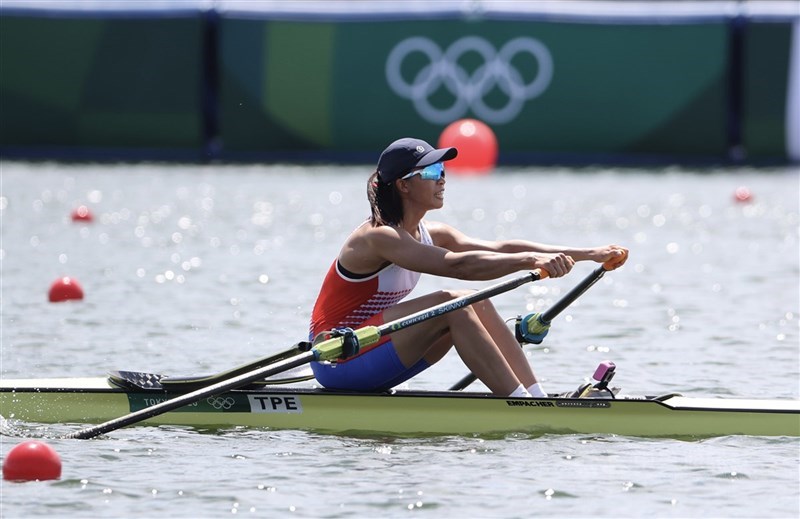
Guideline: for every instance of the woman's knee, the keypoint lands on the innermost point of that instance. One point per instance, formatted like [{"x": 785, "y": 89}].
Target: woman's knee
[
  {"x": 444, "y": 296},
  {"x": 448, "y": 295},
  {"x": 463, "y": 314},
  {"x": 485, "y": 307}
]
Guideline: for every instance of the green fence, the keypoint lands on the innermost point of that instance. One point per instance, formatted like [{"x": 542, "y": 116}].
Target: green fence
[
  {"x": 102, "y": 83},
  {"x": 206, "y": 85},
  {"x": 766, "y": 76}
]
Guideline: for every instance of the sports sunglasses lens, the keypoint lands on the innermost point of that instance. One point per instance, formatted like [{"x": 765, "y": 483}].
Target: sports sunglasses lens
[{"x": 432, "y": 172}]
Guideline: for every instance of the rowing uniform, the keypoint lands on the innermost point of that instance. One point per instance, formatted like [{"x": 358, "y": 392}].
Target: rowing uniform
[{"x": 348, "y": 300}]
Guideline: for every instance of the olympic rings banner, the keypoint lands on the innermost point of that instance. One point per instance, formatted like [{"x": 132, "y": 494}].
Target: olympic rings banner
[
  {"x": 443, "y": 70},
  {"x": 240, "y": 85},
  {"x": 547, "y": 89}
]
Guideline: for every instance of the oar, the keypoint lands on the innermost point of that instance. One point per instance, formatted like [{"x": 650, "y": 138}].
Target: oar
[
  {"x": 185, "y": 384},
  {"x": 535, "y": 326},
  {"x": 330, "y": 349}
]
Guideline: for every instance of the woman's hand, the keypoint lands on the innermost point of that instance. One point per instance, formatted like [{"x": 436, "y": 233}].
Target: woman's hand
[
  {"x": 556, "y": 264},
  {"x": 611, "y": 256}
]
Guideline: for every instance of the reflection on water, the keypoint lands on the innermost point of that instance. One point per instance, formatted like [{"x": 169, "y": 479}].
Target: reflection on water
[
  {"x": 196, "y": 269},
  {"x": 191, "y": 269}
]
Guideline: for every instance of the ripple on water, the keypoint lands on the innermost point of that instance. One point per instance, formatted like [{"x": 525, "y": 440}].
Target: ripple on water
[{"x": 196, "y": 269}]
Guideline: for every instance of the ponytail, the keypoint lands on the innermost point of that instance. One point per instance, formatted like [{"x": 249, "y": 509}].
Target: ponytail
[{"x": 384, "y": 201}]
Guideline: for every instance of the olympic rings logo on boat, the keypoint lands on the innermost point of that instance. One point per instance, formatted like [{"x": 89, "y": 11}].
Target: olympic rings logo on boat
[
  {"x": 218, "y": 402},
  {"x": 443, "y": 71}
]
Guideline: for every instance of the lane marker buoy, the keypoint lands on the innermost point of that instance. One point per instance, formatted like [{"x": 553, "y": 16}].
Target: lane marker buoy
[
  {"x": 82, "y": 214},
  {"x": 65, "y": 289},
  {"x": 31, "y": 461},
  {"x": 743, "y": 194},
  {"x": 476, "y": 143}
]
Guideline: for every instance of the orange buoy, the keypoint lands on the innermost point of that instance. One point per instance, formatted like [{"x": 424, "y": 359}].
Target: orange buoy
[
  {"x": 65, "y": 289},
  {"x": 82, "y": 214},
  {"x": 476, "y": 143},
  {"x": 30, "y": 461}
]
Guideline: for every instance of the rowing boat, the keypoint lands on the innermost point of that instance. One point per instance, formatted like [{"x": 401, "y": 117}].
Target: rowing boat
[
  {"x": 399, "y": 412},
  {"x": 253, "y": 395}
]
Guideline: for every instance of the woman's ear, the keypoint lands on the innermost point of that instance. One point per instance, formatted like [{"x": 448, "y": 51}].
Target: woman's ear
[{"x": 401, "y": 185}]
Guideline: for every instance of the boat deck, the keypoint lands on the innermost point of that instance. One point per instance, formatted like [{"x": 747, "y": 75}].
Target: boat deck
[{"x": 96, "y": 400}]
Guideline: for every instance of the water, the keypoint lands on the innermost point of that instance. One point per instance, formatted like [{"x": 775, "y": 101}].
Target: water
[{"x": 194, "y": 269}]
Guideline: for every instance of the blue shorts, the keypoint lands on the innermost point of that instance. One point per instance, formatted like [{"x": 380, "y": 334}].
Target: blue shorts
[{"x": 378, "y": 369}]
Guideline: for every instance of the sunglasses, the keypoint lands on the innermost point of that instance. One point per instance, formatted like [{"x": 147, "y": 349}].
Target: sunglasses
[{"x": 433, "y": 172}]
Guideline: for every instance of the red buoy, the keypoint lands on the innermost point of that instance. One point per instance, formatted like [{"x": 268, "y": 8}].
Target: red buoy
[
  {"x": 742, "y": 194},
  {"x": 30, "y": 461},
  {"x": 82, "y": 214},
  {"x": 65, "y": 289},
  {"x": 476, "y": 143}
]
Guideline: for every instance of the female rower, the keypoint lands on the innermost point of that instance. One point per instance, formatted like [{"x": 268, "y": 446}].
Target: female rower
[{"x": 381, "y": 262}]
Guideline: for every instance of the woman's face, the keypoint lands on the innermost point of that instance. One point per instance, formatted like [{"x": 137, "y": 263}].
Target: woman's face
[{"x": 429, "y": 194}]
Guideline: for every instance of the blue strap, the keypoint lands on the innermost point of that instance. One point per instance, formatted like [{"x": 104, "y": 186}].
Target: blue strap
[
  {"x": 350, "y": 345},
  {"x": 531, "y": 329}
]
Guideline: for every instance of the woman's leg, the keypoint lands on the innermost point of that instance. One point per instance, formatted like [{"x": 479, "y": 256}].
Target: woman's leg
[
  {"x": 504, "y": 338},
  {"x": 379, "y": 369},
  {"x": 474, "y": 343}
]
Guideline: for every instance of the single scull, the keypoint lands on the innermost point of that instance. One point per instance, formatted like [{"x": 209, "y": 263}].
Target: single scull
[{"x": 402, "y": 412}]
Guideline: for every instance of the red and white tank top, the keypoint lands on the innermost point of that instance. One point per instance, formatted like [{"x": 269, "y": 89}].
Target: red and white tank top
[{"x": 347, "y": 301}]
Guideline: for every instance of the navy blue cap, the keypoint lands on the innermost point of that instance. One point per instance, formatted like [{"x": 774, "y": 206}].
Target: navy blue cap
[{"x": 405, "y": 154}]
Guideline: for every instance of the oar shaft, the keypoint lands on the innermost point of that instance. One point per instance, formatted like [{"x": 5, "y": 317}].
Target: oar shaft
[
  {"x": 461, "y": 302},
  {"x": 573, "y": 294},
  {"x": 548, "y": 315},
  {"x": 194, "y": 396},
  {"x": 186, "y": 384},
  {"x": 468, "y": 379},
  {"x": 331, "y": 349}
]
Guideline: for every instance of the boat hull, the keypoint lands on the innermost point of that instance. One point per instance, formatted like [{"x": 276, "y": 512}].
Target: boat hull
[{"x": 91, "y": 401}]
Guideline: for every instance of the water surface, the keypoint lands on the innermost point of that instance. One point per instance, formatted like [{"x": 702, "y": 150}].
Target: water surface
[{"x": 194, "y": 269}]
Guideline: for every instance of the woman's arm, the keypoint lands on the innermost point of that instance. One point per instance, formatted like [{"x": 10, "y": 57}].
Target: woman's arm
[
  {"x": 398, "y": 247},
  {"x": 452, "y": 239}
]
